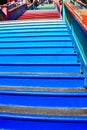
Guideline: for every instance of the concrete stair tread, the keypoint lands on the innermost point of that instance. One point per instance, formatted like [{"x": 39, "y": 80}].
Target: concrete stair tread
[
  {"x": 44, "y": 111},
  {"x": 43, "y": 74},
  {"x": 44, "y": 89}
]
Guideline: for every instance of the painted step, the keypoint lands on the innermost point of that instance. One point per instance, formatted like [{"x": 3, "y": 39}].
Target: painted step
[
  {"x": 41, "y": 12},
  {"x": 40, "y": 68},
  {"x": 39, "y": 44},
  {"x": 35, "y": 39},
  {"x": 37, "y": 51},
  {"x": 38, "y": 59},
  {"x": 44, "y": 21},
  {"x": 34, "y": 34},
  {"x": 33, "y": 16},
  {"x": 33, "y": 24},
  {"x": 68, "y": 91},
  {"x": 34, "y": 27},
  {"x": 34, "y": 30},
  {"x": 45, "y": 7},
  {"x": 41, "y": 79},
  {"x": 43, "y": 98},
  {"x": 21, "y": 121},
  {"x": 38, "y": 15}
]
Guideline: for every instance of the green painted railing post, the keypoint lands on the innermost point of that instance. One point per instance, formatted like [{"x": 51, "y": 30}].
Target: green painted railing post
[{"x": 63, "y": 10}]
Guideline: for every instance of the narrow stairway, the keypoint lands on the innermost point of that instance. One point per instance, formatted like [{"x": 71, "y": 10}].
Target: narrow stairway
[{"x": 41, "y": 87}]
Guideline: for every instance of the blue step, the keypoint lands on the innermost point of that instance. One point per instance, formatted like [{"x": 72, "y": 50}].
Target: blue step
[
  {"x": 42, "y": 122},
  {"x": 59, "y": 21},
  {"x": 44, "y": 80},
  {"x": 33, "y": 21},
  {"x": 35, "y": 39},
  {"x": 51, "y": 44},
  {"x": 32, "y": 122},
  {"x": 33, "y": 30},
  {"x": 35, "y": 34},
  {"x": 38, "y": 59},
  {"x": 37, "y": 51},
  {"x": 43, "y": 99},
  {"x": 21, "y": 23},
  {"x": 40, "y": 68},
  {"x": 33, "y": 27},
  {"x": 33, "y": 24}
]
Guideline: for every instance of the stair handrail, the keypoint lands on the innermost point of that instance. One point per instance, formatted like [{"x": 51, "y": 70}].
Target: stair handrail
[
  {"x": 15, "y": 12},
  {"x": 3, "y": 12},
  {"x": 77, "y": 23},
  {"x": 83, "y": 5},
  {"x": 58, "y": 4}
]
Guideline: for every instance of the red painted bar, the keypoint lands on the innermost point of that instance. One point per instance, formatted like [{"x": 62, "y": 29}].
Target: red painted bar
[{"x": 79, "y": 14}]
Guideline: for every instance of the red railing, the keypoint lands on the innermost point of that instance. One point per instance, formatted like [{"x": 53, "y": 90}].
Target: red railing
[
  {"x": 58, "y": 4},
  {"x": 4, "y": 12}
]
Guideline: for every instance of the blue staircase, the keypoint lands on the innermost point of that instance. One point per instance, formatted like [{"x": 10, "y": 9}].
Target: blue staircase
[{"x": 41, "y": 86}]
